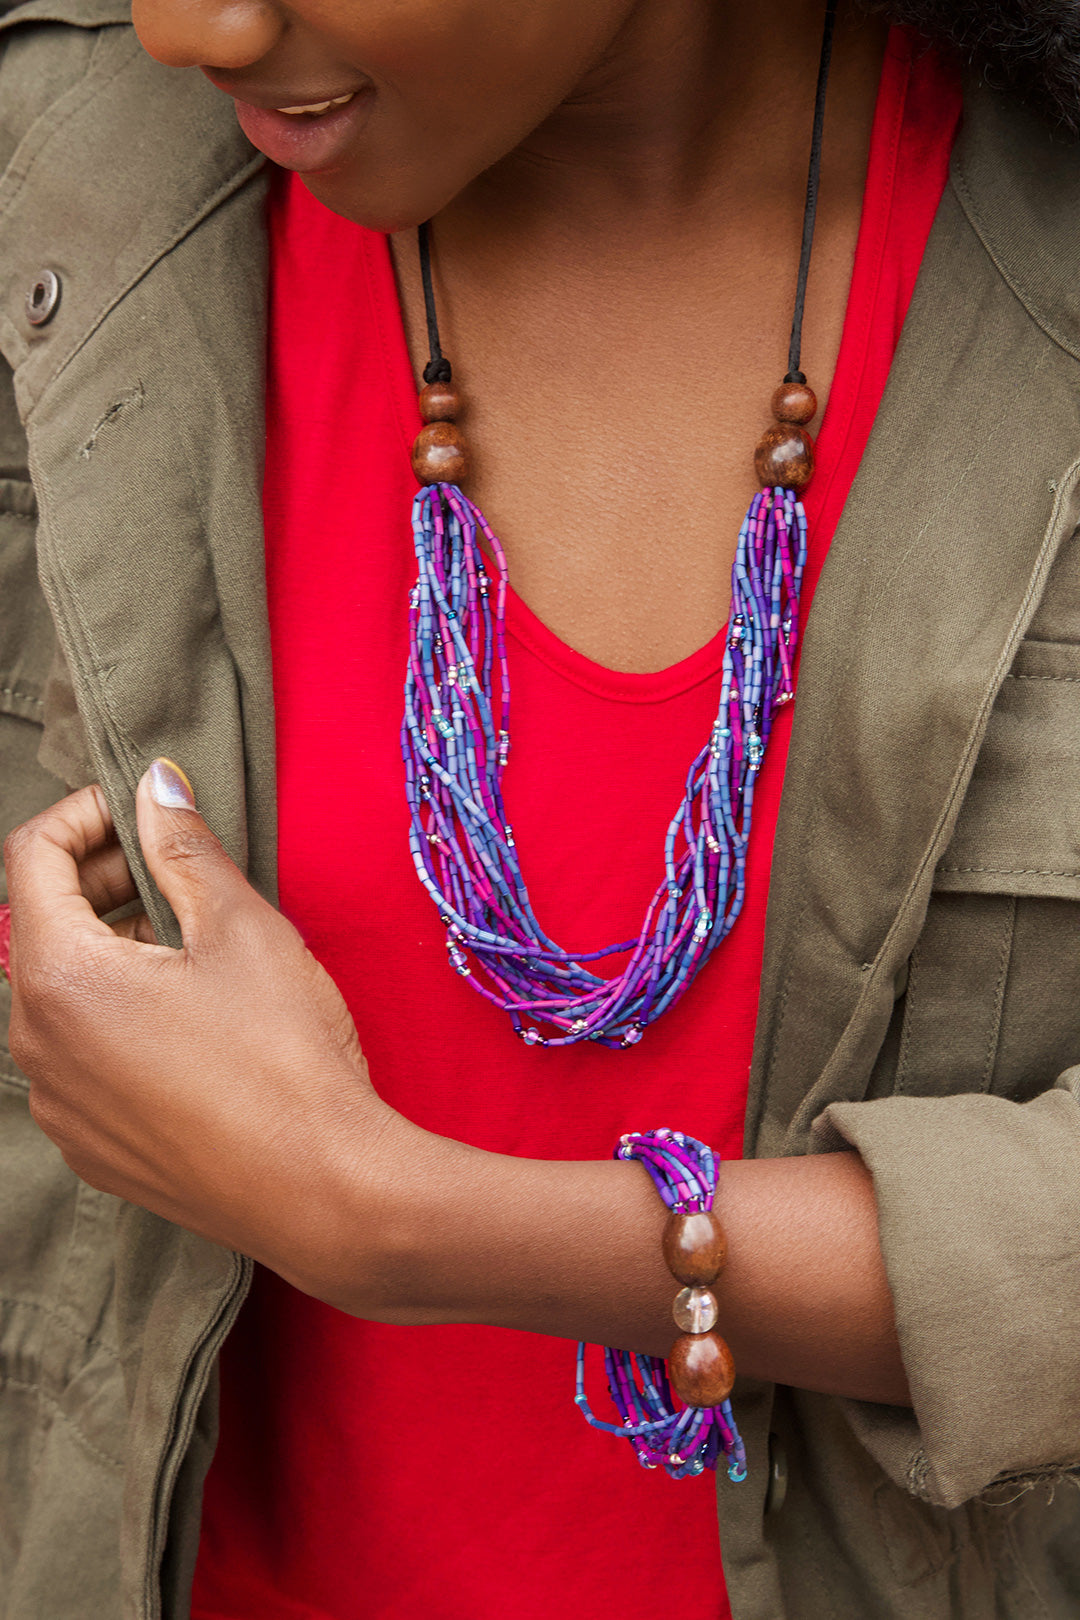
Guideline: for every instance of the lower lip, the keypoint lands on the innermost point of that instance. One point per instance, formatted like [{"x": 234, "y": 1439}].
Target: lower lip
[{"x": 303, "y": 143}]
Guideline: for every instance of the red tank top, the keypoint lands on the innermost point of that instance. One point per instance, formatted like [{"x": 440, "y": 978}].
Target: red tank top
[{"x": 334, "y": 1494}]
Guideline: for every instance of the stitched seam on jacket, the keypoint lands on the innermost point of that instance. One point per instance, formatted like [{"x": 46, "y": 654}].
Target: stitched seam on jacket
[
  {"x": 71, "y": 613},
  {"x": 85, "y": 90},
  {"x": 967, "y": 203},
  {"x": 911, "y": 1001},
  {"x": 181, "y": 1426},
  {"x": 999, "y": 996},
  {"x": 1010, "y": 871},
  {"x": 23, "y": 697},
  {"x": 50, "y": 1400},
  {"x": 236, "y": 181},
  {"x": 67, "y": 1318}
]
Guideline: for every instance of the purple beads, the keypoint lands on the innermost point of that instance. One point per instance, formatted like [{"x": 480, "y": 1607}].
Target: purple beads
[
  {"x": 688, "y": 1440},
  {"x": 456, "y": 743}
]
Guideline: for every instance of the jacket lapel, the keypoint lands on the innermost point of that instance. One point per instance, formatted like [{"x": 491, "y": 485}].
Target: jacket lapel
[{"x": 968, "y": 487}]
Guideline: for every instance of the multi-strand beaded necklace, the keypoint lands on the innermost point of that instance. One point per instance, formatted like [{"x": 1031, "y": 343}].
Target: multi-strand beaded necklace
[{"x": 456, "y": 732}]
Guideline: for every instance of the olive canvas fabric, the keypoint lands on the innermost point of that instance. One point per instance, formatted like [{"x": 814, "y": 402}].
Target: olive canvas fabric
[{"x": 920, "y": 995}]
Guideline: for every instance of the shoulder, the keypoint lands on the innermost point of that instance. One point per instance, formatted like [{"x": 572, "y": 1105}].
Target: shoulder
[
  {"x": 72, "y": 66},
  {"x": 108, "y": 161},
  {"x": 45, "y": 50},
  {"x": 1018, "y": 183}
]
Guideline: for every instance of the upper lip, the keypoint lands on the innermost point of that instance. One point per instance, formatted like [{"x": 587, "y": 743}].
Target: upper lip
[{"x": 271, "y": 99}]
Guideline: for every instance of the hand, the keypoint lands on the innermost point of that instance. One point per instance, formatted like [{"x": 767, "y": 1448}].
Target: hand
[{"x": 220, "y": 1085}]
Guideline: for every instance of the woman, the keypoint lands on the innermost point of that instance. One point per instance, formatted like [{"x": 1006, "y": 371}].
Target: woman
[{"x": 617, "y": 195}]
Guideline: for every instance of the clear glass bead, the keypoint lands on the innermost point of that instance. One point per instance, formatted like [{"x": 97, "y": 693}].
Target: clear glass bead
[{"x": 695, "y": 1310}]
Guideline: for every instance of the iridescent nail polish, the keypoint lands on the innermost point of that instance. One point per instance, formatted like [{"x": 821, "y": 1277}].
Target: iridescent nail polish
[{"x": 169, "y": 787}]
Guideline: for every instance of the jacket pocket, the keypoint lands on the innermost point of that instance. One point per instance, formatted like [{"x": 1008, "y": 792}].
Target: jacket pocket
[
  {"x": 1019, "y": 828},
  {"x": 992, "y": 1000}
]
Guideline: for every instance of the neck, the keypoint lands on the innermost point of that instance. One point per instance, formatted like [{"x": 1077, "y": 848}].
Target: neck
[{"x": 684, "y": 108}]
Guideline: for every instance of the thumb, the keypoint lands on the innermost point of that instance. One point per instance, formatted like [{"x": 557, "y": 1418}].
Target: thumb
[{"x": 185, "y": 859}]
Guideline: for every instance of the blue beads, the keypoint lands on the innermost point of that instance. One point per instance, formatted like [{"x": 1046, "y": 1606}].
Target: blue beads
[
  {"x": 456, "y": 744},
  {"x": 684, "y": 1441}
]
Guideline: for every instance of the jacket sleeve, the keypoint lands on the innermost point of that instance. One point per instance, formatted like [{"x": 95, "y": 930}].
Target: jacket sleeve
[{"x": 979, "y": 1210}]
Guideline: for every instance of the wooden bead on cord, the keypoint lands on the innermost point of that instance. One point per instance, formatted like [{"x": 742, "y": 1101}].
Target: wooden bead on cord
[
  {"x": 785, "y": 456},
  {"x": 439, "y": 402},
  {"x": 439, "y": 455},
  {"x": 794, "y": 402}
]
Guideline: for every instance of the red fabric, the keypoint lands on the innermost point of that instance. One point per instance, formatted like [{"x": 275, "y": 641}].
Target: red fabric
[{"x": 334, "y": 1494}]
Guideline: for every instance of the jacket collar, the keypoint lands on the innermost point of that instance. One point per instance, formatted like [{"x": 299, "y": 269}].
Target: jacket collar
[
  {"x": 170, "y": 135},
  {"x": 75, "y": 13}
]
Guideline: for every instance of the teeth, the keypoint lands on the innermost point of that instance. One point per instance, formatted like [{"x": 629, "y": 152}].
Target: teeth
[{"x": 316, "y": 108}]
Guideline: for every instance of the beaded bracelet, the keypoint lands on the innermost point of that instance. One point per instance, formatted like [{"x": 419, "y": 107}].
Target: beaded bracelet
[{"x": 700, "y": 1365}]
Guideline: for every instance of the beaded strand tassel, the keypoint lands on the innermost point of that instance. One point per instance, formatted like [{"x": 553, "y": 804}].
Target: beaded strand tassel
[{"x": 456, "y": 731}]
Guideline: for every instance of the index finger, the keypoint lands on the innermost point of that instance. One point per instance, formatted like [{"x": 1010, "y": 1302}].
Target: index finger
[{"x": 42, "y": 860}]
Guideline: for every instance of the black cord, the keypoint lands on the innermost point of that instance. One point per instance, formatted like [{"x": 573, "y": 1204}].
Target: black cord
[
  {"x": 438, "y": 368},
  {"x": 813, "y": 181}
]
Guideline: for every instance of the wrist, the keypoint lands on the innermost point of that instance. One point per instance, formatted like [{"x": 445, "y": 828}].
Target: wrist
[{"x": 378, "y": 1182}]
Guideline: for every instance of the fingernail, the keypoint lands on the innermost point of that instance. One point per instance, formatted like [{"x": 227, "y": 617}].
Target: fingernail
[{"x": 169, "y": 787}]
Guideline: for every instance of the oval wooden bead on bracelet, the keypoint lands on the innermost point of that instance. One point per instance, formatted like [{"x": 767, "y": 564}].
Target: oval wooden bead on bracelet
[
  {"x": 701, "y": 1369},
  {"x": 439, "y": 455},
  {"x": 695, "y": 1248}
]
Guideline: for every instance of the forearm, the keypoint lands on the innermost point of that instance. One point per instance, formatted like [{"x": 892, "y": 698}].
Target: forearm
[
  {"x": 573, "y": 1250},
  {"x": 222, "y": 1086}
]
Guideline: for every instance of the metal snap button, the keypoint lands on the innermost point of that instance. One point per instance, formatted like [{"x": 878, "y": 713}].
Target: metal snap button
[
  {"x": 43, "y": 297},
  {"x": 778, "y": 1475}
]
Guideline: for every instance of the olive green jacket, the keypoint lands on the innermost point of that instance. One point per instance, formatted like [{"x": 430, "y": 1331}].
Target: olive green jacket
[{"x": 921, "y": 995}]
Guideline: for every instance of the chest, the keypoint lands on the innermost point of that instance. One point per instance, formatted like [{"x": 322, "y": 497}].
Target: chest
[{"x": 612, "y": 424}]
